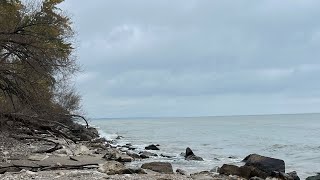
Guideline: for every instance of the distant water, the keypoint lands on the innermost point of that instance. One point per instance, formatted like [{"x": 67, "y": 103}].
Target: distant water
[{"x": 293, "y": 138}]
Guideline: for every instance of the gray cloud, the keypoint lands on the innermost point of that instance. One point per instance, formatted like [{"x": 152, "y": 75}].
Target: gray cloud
[{"x": 177, "y": 58}]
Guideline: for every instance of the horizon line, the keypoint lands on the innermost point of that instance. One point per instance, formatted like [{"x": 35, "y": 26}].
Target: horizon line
[{"x": 160, "y": 117}]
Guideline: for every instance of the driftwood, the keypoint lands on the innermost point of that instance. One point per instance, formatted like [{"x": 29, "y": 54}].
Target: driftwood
[
  {"x": 56, "y": 144},
  {"x": 46, "y": 168},
  {"x": 32, "y": 125},
  {"x": 78, "y": 116}
]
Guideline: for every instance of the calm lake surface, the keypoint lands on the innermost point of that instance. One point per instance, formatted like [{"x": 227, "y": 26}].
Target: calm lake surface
[{"x": 219, "y": 140}]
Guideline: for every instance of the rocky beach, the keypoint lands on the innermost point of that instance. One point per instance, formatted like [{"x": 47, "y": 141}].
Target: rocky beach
[{"x": 94, "y": 157}]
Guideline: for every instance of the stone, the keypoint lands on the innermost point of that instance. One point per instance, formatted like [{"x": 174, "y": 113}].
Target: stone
[
  {"x": 116, "y": 156},
  {"x": 181, "y": 172},
  {"x": 189, "y": 155},
  {"x": 317, "y": 177},
  {"x": 38, "y": 157},
  {"x": 119, "y": 137},
  {"x": 111, "y": 168},
  {"x": 293, "y": 175},
  {"x": 151, "y": 147},
  {"x": 134, "y": 155},
  {"x": 203, "y": 175},
  {"x": 189, "y": 152},
  {"x": 193, "y": 158},
  {"x": 166, "y": 156},
  {"x": 266, "y": 164},
  {"x": 146, "y": 154},
  {"x": 243, "y": 171},
  {"x": 161, "y": 167},
  {"x": 228, "y": 169}
]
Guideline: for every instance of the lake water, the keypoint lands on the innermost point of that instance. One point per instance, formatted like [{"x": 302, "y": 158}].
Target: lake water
[{"x": 293, "y": 138}]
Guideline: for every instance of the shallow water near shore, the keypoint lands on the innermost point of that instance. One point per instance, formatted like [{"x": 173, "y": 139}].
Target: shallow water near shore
[{"x": 220, "y": 140}]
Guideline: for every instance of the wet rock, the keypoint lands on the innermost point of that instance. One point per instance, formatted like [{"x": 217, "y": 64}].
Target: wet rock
[
  {"x": 293, "y": 175},
  {"x": 119, "y": 137},
  {"x": 146, "y": 154},
  {"x": 180, "y": 171},
  {"x": 317, "y": 177},
  {"x": 161, "y": 167},
  {"x": 151, "y": 147},
  {"x": 189, "y": 155},
  {"x": 266, "y": 164},
  {"x": 134, "y": 155},
  {"x": 166, "y": 156}
]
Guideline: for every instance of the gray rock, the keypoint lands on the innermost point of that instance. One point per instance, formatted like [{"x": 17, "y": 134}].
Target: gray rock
[
  {"x": 114, "y": 167},
  {"x": 161, "y": 167},
  {"x": 180, "y": 171},
  {"x": 152, "y": 147},
  {"x": 294, "y": 175},
  {"x": 243, "y": 171},
  {"x": 116, "y": 156},
  {"x": 266, "y": 164},
  {"x": 134, "y": 155},
  {"x": 203, "y": 175},
  {"x": 189, "y": 155},
  {"x": 317, "y": 177},
  {"x": 228, "y": 169},
  {"x": 166, "y": 156},
  {"x": 146, "y": 154}
]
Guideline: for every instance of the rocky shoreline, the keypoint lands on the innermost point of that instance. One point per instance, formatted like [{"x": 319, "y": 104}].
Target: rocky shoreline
[{"x": 99, "y": 158}]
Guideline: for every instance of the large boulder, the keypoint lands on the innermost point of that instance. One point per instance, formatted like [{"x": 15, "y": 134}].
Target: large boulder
[
  {"x": 161, "y": 167},
  {"x": 243, "y": 171},
  {"x": 317, "y": 177},
  {"x": 112, "y": 167},
  {"x": 228, "y": 169},
  {"x": 265, "y": 164},
  {"x": 151, "y": 147},
  {"x": 189, "y": 155}
]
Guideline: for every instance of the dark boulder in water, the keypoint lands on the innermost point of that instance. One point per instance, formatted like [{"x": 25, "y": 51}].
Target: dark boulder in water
[
  {"x": 189, "y": 152},
  {"x": 317, "y": 177},
  {"x": 191, "y": 156},
  {"x": 265, "y": 164},
  {"x": 146, "y": 154},
  {"x": 152, "y": 147}
]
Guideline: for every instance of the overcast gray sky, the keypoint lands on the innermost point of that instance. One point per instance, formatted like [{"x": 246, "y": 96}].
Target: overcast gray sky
[{"x": 147, "y": 58}]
